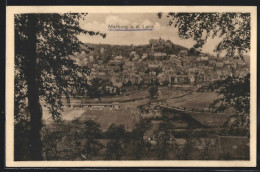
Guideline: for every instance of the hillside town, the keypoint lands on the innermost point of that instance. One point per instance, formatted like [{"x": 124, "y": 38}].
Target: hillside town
[
  {"x": 146, "y": 65},
  {"x": 132, "y": 87},
  {"x": 156, "y": 85}
]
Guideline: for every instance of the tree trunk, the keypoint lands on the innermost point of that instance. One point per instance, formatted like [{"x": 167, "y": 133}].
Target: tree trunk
[{"x": 32, "y": 78}]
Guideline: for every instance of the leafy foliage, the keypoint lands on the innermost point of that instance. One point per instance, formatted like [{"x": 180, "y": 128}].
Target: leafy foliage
[
  {"x": 71, "y": 140},
  {"x": 206, "y": 152},
  {"x": 116, "y": 134},
  {"x": 62, "y": 140},
  {"x": 233, "y": 28},
  {"x": 165, "y": 141},
  {"x": 94, "y": 91},
  {"x": 91, "y": 149},
  {"x": 138, "y": 147},
  {"x": 92, "y": 146},
  {"x": 56, "y": 39},
  {"x": 44, "y": 68},
  {"x": 114, "y": 150},
  {"x": 153, "y": 90},
  {"x": 235, "y": 93},
  {"x": 184, "y": 153},
  {"x": 193, "y": 52},
  {"x": 92, "y": 130}
]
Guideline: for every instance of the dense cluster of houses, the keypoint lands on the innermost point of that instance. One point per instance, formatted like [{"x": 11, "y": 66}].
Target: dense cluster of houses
[{"x": 167, "y": 69}]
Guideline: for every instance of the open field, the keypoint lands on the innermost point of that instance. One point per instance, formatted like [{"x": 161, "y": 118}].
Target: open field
[
  {"x": 212, "y": 120},
  {"x": 128, "y": 115},
  {"x": 196, "y": 101},
  {"x": 107, "y": 117},
  {"x": 67, "y": 115},
  {"x": 104, "y": 117},
  {"x": 199, "y": 101}
]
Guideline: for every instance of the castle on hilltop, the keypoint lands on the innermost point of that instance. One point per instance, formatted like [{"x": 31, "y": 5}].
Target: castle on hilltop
[{"x": 160, "y": 42}]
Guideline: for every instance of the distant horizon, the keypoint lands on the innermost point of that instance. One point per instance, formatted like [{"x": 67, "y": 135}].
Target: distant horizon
[
  {"x": 131, "y": 44},
  {"x": 213, "y": 54}
]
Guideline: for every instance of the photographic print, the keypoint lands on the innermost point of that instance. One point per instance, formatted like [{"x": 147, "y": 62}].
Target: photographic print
[{"x": 131, "y": 86}]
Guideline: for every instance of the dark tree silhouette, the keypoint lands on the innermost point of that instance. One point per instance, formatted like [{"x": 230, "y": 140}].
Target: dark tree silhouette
[
  {"x": 235, "y": 93},
  {"x": 165, "y": 141},
  {"x": 92, "y": 130},
  {"x": 94, "y": 91},
  {"x": 193, "y": 52},
  {"x": 233, "y": 28},
  {"x": 153, "y": 90},
  {"x": 114, "y": 147},
  {"x": 92, "y": 146},
  {"x": 138, "y": 147},
  {"x": 63, "y": 140},
  {"x": 43, "y": 68},
  {"x": 91, "y": 149}
]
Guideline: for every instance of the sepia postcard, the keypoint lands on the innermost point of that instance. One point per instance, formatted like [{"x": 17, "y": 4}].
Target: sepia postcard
[{"x": 131, "y": 86}]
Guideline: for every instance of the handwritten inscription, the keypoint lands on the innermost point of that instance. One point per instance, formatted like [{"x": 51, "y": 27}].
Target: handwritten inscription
[{"x": 130, "y": 27}]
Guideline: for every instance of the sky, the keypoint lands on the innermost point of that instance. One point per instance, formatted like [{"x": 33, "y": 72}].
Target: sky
[{"x": 100, "y": 21}]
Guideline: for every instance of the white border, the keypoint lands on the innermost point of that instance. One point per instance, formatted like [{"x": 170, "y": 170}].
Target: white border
[{"x": 11, "y": 10}]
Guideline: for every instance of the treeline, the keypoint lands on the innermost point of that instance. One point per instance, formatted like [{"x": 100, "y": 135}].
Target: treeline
[{"x": 84, "y": 140}]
